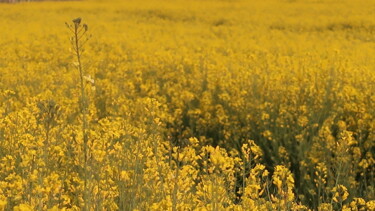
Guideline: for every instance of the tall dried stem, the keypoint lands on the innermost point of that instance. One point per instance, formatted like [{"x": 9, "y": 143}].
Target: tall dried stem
[{"x": 78, "y": 40}]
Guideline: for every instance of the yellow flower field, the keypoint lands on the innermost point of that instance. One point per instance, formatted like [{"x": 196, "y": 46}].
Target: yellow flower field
[{"x": 187, "y": 105}]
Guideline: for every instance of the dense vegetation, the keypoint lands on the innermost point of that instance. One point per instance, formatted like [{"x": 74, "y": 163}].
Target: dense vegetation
[{"x": 188, "y": 105}]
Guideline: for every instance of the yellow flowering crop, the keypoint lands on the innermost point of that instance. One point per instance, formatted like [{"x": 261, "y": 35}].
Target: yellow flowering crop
[{"x": 187, "y": 105}]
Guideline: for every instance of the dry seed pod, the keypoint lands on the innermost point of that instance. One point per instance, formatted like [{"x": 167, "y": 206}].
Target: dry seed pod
[{"x": 77, "y": 21}]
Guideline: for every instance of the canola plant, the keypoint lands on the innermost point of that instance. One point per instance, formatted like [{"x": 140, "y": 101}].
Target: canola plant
[{"x": 187, "y": 105}]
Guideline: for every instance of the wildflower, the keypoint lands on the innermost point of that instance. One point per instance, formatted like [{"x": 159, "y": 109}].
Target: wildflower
[
  {"x": 3, "y": 204},
  {"x": 340, "y": 193},
  {"x": 357, "y": 204},
  {"x": 303, "y": 121},
  {"x": 23, "y": 207},
  {"x": 370, "y": 205},
  {"x": 284, "y": 181},
  {"x": 325, "y": 207}
]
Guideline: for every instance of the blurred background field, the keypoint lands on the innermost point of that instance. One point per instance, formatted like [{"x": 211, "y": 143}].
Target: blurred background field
[{"x": 193, "y": 105}]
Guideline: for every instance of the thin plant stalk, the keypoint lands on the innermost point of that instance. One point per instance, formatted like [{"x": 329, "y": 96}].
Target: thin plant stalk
[{"x": 79, "y": 31}]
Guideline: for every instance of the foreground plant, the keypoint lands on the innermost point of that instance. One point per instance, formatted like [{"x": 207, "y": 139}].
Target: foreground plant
[{"x": 78, "y": 40}]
